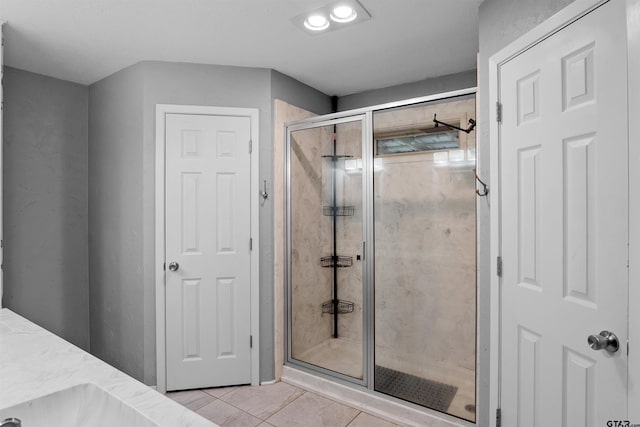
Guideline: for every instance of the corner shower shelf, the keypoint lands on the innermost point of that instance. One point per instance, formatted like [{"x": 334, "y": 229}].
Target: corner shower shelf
[
  {"x": 336, "y": 261},
  {"x": 338, "y": 210},
  {"x": 343, "y": 307}
]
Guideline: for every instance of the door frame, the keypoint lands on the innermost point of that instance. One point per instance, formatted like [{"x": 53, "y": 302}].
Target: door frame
[
  {"x": 160, "y": 277},
  {"x": 555, "y": 23},
  {"x": 1, "y": 151}
]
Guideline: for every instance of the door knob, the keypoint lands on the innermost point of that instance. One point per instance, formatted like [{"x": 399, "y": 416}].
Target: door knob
[
  {"x": 174, "y": 266},
  {"x": 604, "y": 341}
]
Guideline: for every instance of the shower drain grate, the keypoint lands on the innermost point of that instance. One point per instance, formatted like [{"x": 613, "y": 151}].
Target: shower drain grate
[{"x": 429, "y": 393}]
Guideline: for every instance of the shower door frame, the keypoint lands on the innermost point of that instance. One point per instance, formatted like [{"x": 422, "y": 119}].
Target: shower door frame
[
  {"x": 365, "y": 115},
  {"x": 366, "y": 120}
]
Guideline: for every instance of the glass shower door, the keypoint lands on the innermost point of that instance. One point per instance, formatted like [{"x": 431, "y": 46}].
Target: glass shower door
[
  {"x": 325, "y": 235},
  {"x": 425, "y": 256}
]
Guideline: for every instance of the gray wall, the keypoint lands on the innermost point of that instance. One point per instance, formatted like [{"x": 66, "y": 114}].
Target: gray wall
[
  {"x": 426, "y": 87},
  {"x": 194, "y": 84},
  {"x": 501, "y": 22},
  {"x": 115, "y": 222},
  {"x": 122, "y": 196},
  {"x": 45, "y": 203},
  {"x": 299, "y": 94}
]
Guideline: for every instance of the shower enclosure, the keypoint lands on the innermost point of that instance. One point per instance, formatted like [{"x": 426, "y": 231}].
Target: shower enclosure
[{"x": 381, "y": 250}]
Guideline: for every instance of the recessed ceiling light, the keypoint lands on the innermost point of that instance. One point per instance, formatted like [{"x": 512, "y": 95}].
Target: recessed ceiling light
[
  {"x": 316, "y": 22},
  {"x": 342, "y": 14},
  {"x": 336, "y": 15}
]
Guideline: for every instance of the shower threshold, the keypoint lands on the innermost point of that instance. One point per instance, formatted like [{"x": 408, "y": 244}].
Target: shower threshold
[{"x": 370, "y": 402}]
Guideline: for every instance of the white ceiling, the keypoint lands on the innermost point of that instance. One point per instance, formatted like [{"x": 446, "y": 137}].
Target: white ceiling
[{"x": 86, "y": 40}]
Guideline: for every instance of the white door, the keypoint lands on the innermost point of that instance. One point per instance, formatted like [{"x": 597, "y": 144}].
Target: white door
[
  {"x": 564, "y": 232},
  {"x": 207, "y": 251}
]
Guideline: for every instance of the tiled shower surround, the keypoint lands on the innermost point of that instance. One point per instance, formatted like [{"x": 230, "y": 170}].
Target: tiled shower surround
[{"x": 425, "y": 252}]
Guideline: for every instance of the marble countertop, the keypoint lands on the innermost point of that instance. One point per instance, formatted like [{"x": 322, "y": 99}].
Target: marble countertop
[{"x": 34, "y": 362}]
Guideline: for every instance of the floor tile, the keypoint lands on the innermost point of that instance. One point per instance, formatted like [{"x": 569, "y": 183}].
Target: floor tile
[
  {"x": 226, "y": 415},
  {"x": 221, "y": 391},
  {"x": 311, "y": 410},
  {"x": 192, "y": 399},
  {"x": 262, "y": 401},
  {"x": 367, "y": 420}
]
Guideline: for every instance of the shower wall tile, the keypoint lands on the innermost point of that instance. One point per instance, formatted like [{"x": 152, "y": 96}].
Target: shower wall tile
[
  {"x": 283, "y": 113},
  {"x": 311, "y": 283}
]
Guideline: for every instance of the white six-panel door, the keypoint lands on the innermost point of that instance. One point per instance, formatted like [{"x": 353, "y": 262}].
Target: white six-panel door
[
  {"x": 564, "y": 225},
  {"x": 207, "y": 233}
]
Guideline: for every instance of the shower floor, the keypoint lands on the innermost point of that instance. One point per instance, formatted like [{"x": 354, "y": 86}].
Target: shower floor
[
  {"x": 439, "y": 371},
  {"x": 345, "y": 356},
  {"x": 336, "y": 354}
]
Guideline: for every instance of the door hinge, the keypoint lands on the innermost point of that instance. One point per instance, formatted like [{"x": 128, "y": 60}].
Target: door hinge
[
  {"x": 250, "y": 243},
  {"x": 498, "y": 112},
  {"x": 499, "y": 266},
  {"x": 250, "y": 341},
  {"x": 250, "y": 146},
  {"x": 498, "y": 417},
  {"x": 164, "y": 266}
]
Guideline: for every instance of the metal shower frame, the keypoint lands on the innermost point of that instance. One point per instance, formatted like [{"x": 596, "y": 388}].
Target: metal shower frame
[{"x": 365, "y": 116}]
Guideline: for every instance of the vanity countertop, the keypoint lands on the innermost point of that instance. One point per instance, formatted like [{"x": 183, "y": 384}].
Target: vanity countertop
[{"x": 34, "y": 362}]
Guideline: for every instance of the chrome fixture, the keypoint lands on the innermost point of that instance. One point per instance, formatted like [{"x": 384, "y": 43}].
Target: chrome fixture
[
  {"x": 485, "y": 187},
  {"x": 173, "y": 266},
  {"x": 472, "y": 125},
  {"x": 11, "y": 422},
  {"x": 604, "y": 341}
]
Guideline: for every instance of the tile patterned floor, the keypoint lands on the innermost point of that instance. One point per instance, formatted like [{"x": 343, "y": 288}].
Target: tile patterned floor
[{"x": 277, "y": 405}]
